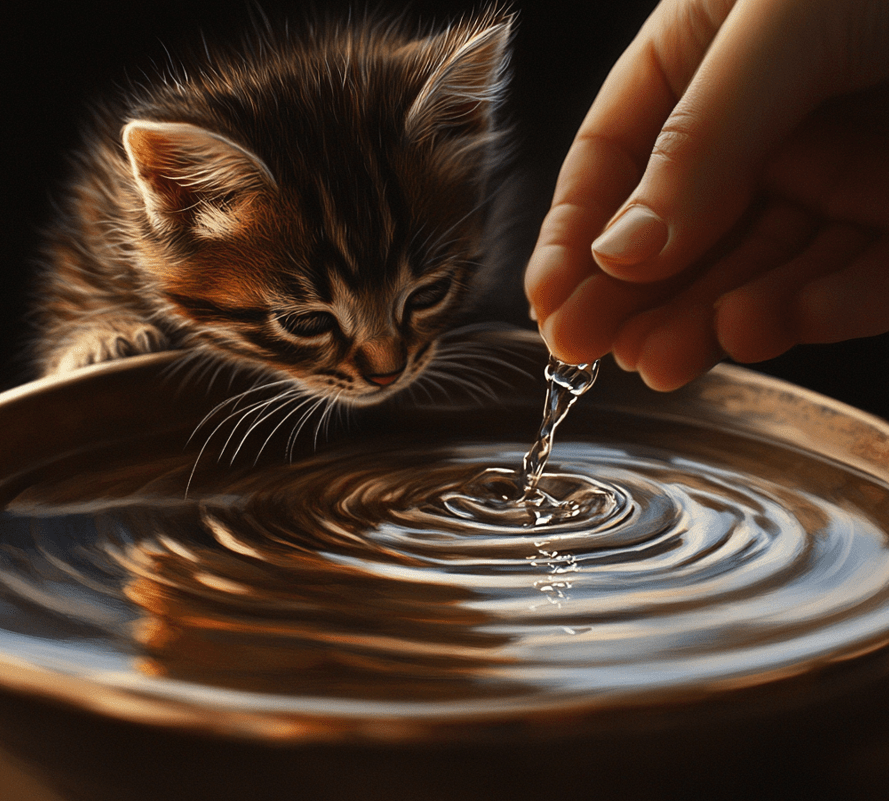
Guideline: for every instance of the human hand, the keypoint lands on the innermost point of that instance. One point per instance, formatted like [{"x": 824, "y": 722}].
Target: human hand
[{"x": 737, "y": 158}]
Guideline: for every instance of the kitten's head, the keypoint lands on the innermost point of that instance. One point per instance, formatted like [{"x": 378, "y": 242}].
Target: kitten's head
[{"x": 316, "y": 207}]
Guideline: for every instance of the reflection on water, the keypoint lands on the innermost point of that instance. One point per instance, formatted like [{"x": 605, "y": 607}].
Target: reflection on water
[{"x": 348, "y": 585}]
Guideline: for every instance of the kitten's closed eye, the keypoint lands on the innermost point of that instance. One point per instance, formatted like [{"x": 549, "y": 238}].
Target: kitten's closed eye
[
  {"x": 307, "y": 325},
  {"x": 429, "y": 295}
]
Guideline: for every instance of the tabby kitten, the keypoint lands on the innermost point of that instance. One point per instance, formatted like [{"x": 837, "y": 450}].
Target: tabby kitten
[{"x": 313, "y": 207}]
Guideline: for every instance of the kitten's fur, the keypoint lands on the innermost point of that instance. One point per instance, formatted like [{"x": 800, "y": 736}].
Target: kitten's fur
[{"x": 312, "y": 206}]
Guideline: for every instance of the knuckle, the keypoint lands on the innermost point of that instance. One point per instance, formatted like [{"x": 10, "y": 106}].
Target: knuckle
[{"x": 676, "y": 140}]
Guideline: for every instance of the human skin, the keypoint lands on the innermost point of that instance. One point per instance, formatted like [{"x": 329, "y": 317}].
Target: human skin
[{"x": 727, "y": 193}]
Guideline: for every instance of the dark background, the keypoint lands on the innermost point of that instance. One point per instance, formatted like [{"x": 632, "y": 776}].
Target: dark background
[{"x": 62, "y": 57}]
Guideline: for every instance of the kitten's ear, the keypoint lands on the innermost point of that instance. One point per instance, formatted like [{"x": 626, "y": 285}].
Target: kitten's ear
[
  {"x": 468, "y": 81},
  {"x": 191, "y": 177}
]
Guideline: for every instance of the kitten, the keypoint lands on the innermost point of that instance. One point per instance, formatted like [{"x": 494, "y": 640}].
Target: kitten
[{"x": 312, "y": 206}]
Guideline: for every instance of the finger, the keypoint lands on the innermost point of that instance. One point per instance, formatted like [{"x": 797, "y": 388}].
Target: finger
[
  {"x": 608, "y": 156},
  {"x": 562, "y": 258},
  {"x": 682, "y": 349},
  {"x": 765, "y": 317},
  {"x": 605, "y": 314},
  {"x": 850, "y": 303},
  {"x": 772, "y": 238},
  {"x": 758, "y": 80},
  {"x": 582, "y": 329},
  {"x": 674, "y": 344}
]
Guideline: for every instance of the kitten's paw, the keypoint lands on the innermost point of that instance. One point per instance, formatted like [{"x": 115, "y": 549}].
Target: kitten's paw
[{"x": 103, "y": 342}]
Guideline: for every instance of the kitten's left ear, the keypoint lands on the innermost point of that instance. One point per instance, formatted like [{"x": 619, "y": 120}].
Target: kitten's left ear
[
  {"x": 190, "y": 177},
  {"x": 460, "y": 95}
]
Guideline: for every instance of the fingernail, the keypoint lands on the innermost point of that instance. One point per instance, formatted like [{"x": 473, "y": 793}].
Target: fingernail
[{"x": 638, "y": 234}]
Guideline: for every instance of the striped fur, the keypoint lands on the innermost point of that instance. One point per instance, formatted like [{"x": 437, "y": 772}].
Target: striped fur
[{"x": 311, "y": 206}]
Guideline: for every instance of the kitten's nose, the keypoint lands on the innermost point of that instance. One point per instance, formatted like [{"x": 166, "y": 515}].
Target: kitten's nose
[
  {"x": 381, "y": 360},
  {"x": 384, "y": 379}
]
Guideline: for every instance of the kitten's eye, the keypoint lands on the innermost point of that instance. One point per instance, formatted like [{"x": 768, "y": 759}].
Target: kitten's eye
[
  {"x": 309, "y": 324},
  {"x": 430, "y": 295}
]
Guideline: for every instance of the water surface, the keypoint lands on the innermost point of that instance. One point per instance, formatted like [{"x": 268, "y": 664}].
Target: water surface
[{"x": 349, "y": 585}]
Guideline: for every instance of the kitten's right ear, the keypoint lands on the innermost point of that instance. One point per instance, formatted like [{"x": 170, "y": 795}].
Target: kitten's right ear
[
  {"x": 468, "y": 80},
  {"x": 190, "y": 177}
]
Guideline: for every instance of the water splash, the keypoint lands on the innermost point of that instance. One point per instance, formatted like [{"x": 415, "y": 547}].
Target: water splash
[{"x": 531, "y": 497}]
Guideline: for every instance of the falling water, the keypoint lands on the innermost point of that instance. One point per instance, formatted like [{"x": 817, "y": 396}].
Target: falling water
[
  {"x": 565, "y": 384},
  {"x": 530, "y": 496}
]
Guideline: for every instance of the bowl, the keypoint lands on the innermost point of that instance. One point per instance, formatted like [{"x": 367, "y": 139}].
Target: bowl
[{"x": 207, "y": 595}]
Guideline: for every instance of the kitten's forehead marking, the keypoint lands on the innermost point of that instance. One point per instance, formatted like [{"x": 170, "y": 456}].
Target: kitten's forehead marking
[
  {"x": 335, "y": 228},
  {"x": 379, "y": 216}
]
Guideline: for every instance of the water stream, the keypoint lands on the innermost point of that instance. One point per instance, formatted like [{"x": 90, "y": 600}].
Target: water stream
[{"x": 530, "y": 496}]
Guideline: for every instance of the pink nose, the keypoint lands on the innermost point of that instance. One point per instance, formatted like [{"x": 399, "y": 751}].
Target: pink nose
[{"x": 383, "y": 379}]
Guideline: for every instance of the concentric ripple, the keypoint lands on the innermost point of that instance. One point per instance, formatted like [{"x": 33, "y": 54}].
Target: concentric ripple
[{"x": 356, "y": 584}]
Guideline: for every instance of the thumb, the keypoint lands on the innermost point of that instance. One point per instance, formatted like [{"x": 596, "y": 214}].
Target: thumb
[{"x": 757, "y": 81}]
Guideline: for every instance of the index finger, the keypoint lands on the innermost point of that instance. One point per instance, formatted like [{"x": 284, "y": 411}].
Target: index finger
[
  {"x": 614, "y": 142},
  {"x": 584, "y": 202}
]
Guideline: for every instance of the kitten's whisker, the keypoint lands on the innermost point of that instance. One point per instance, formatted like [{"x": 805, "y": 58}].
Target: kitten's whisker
[
  {"x": 233, "y": 400},
  {"x": 481, "y": 351},
  {"x": 427, "y": 378},
  {"x": 420, "y": 384},
  {"x": 294, "y": 435},
  {"x": 256, "y": 411},
  {"x": 483, "y": 327},
  {"x": 216, "y": 373},
  {"x": 173, "y": 371},
  {"x": 478, "y": 363},
  {"x": 477, "y": 352},
  {"x": 325, "y": 417},
  {"x": 302, "y": 403},
  {"x": 199, "y": 369},
  {"x": 193, "y": 364},
  {"x": 467, "y": 369},
  {"x": 216, "y": 410},
  {"x": 478, "y": 392},
  {"x": 241, "y": 415},
  {"x": 185, "y": 360},
  {"x": 344, "y": 411},
  {"x": 199, "y": 364},
  {"x": 277, "y": 403},
  {"x": 235, "y": 413},
  {"x": 206, "y": 445}
]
